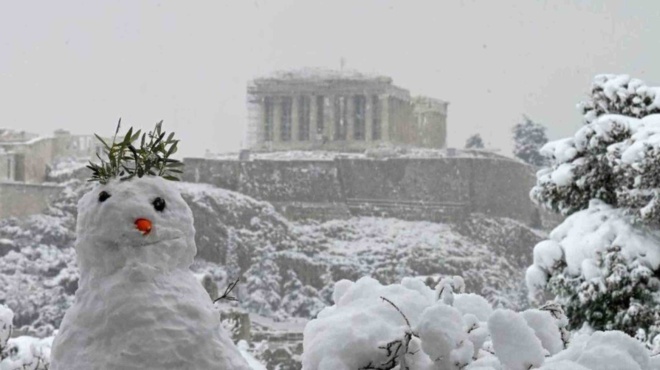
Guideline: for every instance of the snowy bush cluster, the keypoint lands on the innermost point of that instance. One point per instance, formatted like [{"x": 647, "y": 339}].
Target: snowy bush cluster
[
  {"x": 603, "y": 262},
  {"x": 23, "y": 352},
  {"x": 411, "y": 326}
]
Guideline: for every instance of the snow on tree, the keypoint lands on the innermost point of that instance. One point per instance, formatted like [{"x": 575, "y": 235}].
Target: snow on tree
[
  {"x": 412, "y": 326},
  {"x": 474, "y": 142},
  {"x": 138, "y": 305},
  {"x": 603, "y": 261},
  {"x": 263, "y": 283},
  {"x": 300, "y": 300},
  {"x": 528, "y": 138},
  {"x": 600, "y": 265},
  {"x": 620, "y": 94}
]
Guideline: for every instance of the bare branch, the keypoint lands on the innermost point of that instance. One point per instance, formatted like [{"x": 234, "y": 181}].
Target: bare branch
[{"x": 228, "y": 290}]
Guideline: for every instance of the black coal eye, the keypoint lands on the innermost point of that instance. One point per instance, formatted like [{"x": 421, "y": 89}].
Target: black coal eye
[
  {"x": 103, "y": 196},
  {"x": 159, "y": 204}
]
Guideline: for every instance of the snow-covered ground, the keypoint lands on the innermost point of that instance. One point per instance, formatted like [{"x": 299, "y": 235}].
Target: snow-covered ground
[{"x": 40, "y": 271}]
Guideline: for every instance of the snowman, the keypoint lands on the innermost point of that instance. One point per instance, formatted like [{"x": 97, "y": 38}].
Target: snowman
[{"x": 138, "y": 305}]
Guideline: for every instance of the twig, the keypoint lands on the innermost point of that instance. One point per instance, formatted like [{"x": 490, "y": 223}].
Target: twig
[
  {"x": 397, "y": 349},
  {"x": 228, "y": 290},
  {"x": 397, "y": 308}
]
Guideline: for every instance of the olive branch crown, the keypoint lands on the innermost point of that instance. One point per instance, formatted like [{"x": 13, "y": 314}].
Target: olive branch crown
[{"x": 124, "y": 160}]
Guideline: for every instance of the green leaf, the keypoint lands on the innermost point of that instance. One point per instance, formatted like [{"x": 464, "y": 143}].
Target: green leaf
[
  {"x": 125, "y": 161},
  {"x": 172, "y": 149},
  {"x": 135, "y": 136},
  {"x": 128, "y": 136},
  {"x": 103, "y": 142}
]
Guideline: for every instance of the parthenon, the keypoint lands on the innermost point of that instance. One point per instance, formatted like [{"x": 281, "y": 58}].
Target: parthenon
[{"x": 339, "y": 110}]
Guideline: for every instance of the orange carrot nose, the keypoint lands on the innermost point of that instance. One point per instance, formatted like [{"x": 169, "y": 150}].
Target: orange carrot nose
[{"x": 143, "y": 225}]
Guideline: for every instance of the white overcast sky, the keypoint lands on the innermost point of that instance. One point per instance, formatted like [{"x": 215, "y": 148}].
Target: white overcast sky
[{"x": 80, "y": 65}]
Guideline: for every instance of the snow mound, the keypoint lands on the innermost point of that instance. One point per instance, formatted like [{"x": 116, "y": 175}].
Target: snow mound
[
  {"x": 348, "y": 334},
  {"x": 409, "y": 325},
  {"x": 612, "y": 350}
]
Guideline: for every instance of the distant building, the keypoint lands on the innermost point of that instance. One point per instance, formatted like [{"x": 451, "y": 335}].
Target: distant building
[
  {"x": 339, "y": 110},
  {"x": 28, "y": 158}
]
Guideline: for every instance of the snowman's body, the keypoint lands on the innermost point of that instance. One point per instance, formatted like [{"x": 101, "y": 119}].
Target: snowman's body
[{"x": 138, "y": 306}]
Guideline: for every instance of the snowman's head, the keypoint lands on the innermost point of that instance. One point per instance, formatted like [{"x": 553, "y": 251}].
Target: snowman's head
[{"x": 142, "y": 222}]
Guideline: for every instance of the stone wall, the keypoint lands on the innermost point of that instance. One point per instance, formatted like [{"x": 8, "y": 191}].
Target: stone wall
[
  {"x": 275, "y": 181},
  {"x": 20, "y": 199},
  {"x": 501, "y": 189},
  {"x": 433, "y": 189}
]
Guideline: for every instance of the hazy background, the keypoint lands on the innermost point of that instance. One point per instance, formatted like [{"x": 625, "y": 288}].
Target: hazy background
[{"x": 81, "y": 65}]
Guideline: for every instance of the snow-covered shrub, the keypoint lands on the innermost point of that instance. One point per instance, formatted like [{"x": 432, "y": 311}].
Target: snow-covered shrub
[
  {"x": 372, "y": 326},
  {"x": 6, "y": 328},
  {"x": 603, "y": 261},
  {"x": 528, "y": 138},
  {"x": 21, "y": 353},
  {"x": 28, "y": 353},
  {"x": 411, "y": 326}
]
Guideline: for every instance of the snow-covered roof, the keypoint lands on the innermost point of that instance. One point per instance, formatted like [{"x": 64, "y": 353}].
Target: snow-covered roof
[
  {"x": 319, "y": 74},
  {"x": 9, "y": 135}
]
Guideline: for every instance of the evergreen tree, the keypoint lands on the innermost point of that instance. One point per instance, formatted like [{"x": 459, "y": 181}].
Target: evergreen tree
[
  {"x": 300, "y": 300},
  {"x": 601, "y": 262},
  {"x": 528, "y": 138},
  {"x": 263, "y": 284},
  {"x": 474, "y": 142}
]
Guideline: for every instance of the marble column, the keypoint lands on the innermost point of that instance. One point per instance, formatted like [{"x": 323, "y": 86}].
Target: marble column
[
  {"x": 350, "y": 117},
  {"x": 330, "y": 114},
  {"x": 277, "y": 119},
  {"x": 295, "y": 118},
  {"x": 312, "y": 118},
  {"x": 260, "y": 129},
  {"x": 368, "y": 118},
  {"x": 385, "y": 118}
]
